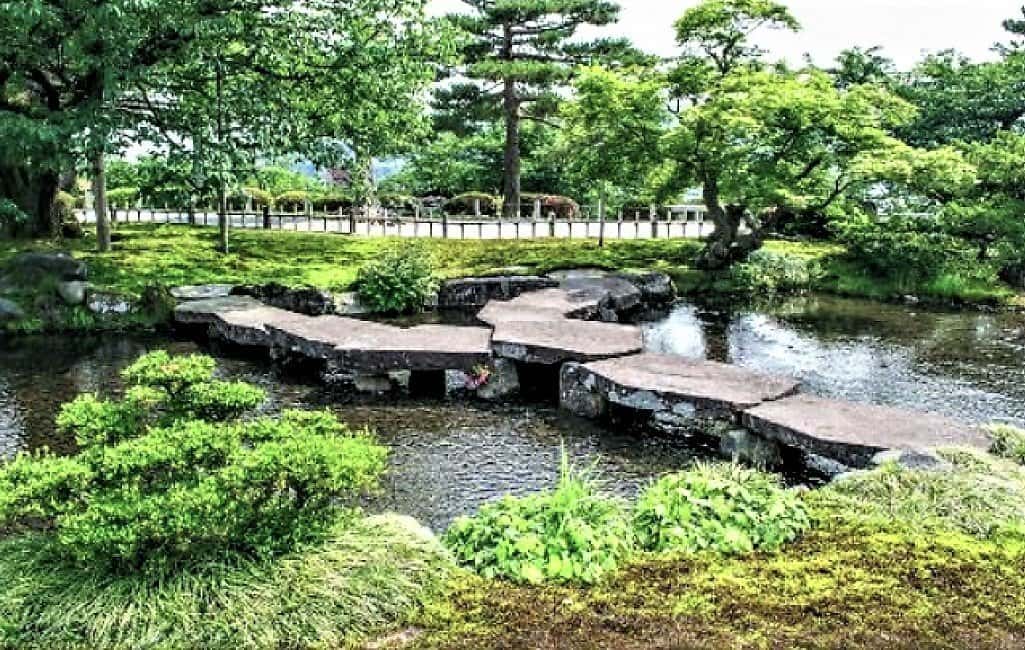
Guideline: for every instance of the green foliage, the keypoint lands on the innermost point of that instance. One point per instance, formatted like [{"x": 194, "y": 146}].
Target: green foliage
[
  {"x": 907, "y": 250},
  {"x": 399, "y": 281},
  {"x": 294, "y": 200},
  {"x": 979, "y": 495},
  {"x": 766, "y": 272},
  {"x": 1008, "y": 442},
  {"x": 465, "y": 204},
  {"x": 123, "y": 197},
  {"x": 572, "y": 534},
  {"x": 332, "y": 201},
  {"x": 155, "y": 487},
  {"x": 722, "y": 508},
  {"x": 259, "y": 197},
  {"x": 10, "y": 214},
  {"x": 364, "y": 578}
]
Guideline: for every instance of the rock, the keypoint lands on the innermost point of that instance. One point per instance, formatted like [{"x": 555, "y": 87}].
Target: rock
[
  {"x": 205, "y": 312},
  {"x": 691, "y": 388},
  {"x": 911, "y": 459},
  {"x": 503, "y": 381},
  {"x": 349, "y": 304},
  {"x": 656, "y": 288},
  {"x": 58, "y": 265},
  {"x": 303, "y": 300},
  {"x": 612, "y": 293},
  {"x": 374, "y": 384},
  {"x": 740, "y": 445},
  {"x": 551, "y": 342},
  {"x": 201, "y": 292},
  {"x": 72, "y": 292},
  {"x": 471, "y": 293},
  {"x": 578, "y": 392},
  {"x": 853, "y": 434},
  {"x": 72, "y": 230},
  {"x": 108, "y": 303},
  {"x": 10, "y": 311},
  {"x": 825, "y": 466}
]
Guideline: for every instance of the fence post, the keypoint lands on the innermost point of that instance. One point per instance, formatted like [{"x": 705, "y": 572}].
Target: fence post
[
  {"x": 444, "y": 225},
  {"x": 601, "y": 220},
  {"x": 266, "y": 217},
  {"x": 653, "y": 217},
  {"x": 551, "y": 224},
  {"x": 192, "y": 213}
]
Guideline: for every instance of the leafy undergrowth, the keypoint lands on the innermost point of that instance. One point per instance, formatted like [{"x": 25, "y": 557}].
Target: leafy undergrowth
[
  {"x": 853, "y": 586},
  {"x": 364, "y": 578},
  {"x": 896, "y": 558}
]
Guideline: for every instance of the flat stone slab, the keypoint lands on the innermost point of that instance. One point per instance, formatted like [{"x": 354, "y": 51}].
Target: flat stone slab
[
  {"x": 201, "y": 291},
  {"x": 854, "y": 433},
  {"x": 544, "y": 305},
  {"x": 477, "y": 292},
  {"x": 554, "y": 341},
  {"x": 605, "y": 288},
  {"x": 657, "y": 382},
  {"x": 207, "y": 311}
]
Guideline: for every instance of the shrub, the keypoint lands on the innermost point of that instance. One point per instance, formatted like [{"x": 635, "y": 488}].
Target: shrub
[
  {"x": 569, "y": 535},
  {"x": 978, "y": 494},
  {"x": 294, "y": 200},
  {"x": 399, "y": 281},
  {"x": 765, "y": 272},
  {"x": 122, "y": 197},
  {"x": 10, "y": 214},
  {"x": 398, "y": 201},
  {"x": 332, "y": 202},
  {"x": 723, "y": 508},
  {"x": 563, "y": 206},
  {"x": 259, "y": 197},
  {"x": 155, "y": 487},
  {"x": 463, "y": 204},
  {"x": 1008, "y": 442},
  {"x": 906, "y": 251}
]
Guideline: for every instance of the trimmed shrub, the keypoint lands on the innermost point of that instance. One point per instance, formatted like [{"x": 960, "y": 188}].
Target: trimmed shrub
[
  {"x": 572, "y": 534},
  {"x": 398, "y": 202},
  {"x": 905, "y": 251},
  {"x": 463, "y": 204},
  {"x": 123, "y": 197},
  {"x": 293, "y": 201},
  {"x": 563, "y": 206},
  {"x": 332, "y": 202},
  {"x": 155, "y": 487},
  {"x": 399, "y": 281},
  {"x": 259, "y": 197},
  {"x": 1008, "y": 442},
  {"x": 723, "y": 508}
]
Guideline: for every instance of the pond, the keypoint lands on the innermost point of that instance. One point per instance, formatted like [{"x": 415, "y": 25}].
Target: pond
[{"x": 449, "y": 457}]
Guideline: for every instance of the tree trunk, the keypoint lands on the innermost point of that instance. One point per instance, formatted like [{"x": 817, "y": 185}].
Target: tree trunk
[
  {"x": 511, "y": 110},
  {"x": 222, "y": 219},
  {"x": 725, "y": 246},
  {"x": 100, "y": 203},
  {"x": 46, "y": 220}
]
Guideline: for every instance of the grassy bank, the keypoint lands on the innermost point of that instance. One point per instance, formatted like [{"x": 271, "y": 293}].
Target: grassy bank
[
  {"x": 896, "y": 558},
  {"x": 147, "y": 256}
]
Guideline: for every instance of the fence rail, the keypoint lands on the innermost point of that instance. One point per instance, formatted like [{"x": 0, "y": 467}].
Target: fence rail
[{"x": 666, "y": 222}]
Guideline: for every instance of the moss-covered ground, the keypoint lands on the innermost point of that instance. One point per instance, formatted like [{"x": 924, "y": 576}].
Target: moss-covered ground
[{"x": 148, "y": 255}]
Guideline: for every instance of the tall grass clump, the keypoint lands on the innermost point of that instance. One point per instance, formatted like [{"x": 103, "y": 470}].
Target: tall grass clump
[
  {"x": 181, "y": 523},
  {"x": 572, "y": 534},
  {"x": 1008, "y": 442},
  {"x": 720, "y": 507},
  {"x": 975, "y": 493}
]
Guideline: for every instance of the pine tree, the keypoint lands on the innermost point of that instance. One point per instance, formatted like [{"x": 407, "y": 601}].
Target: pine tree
[{"x": 519, "y": 52}]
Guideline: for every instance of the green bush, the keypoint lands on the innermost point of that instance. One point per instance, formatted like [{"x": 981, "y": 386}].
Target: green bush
[
  {"x": 1008, "y": 442},
  {"x": 723, "y": 508},
  {"x": 394, "y": 201},
  {"x": 332, "y": 202},
  {"x": 123, "y": 197},
  {"x": 766, "y": 272},
  {"x": 10, "y": 214},
  {"x": 294, "y": 200},
  {"x": 259, "y": 197},
  {"x": 569, "y": 535},
  {"x": 463, "y": 204},
  {"x": 905, "y": 251},
  {"x": 399, "y": 281},
  {"x": 978, "y": 494},
  {"x": 154, "y": 487}
]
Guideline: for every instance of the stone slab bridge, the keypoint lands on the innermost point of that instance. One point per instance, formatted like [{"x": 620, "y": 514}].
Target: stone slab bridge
[{"x": 570, "y": 333}]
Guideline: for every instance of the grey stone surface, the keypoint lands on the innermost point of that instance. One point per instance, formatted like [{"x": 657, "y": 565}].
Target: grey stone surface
[
  {"x": 611, "y": 292},
  {"x": 544, "y": 305},
  {"x": 72, "y": 292},
  {"x": 740, "y": 445},
  {"x": 201, "y": 291},
  {"x": 853, "y": 434},
  {"x": 911, "y": 459},
  {"x": 579, "y": 394},
  {"x": 9, "y": 310},
  {"x": 205, "y": 312},
  {"x": 349, "y": 304},
  {"x": 503, "y": 382},
  {"x": 554, "y": 341},
  {"x": 374, "y": 384},
  {"x": 656, "y": 287},
  {"x": 705, "y": 388},
  {"x": 106, "y": 303},
  {"x": 58, "y": 265},
  {"x": 303, "y": 300},
  {"x": 466, "y": 293}
]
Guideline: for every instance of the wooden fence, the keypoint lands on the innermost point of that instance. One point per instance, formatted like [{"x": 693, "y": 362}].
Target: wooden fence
[{"x": 665, "y": 222}]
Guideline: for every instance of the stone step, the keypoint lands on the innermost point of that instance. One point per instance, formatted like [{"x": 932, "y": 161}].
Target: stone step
[
  {"x": 687, "y": 388},
  {"x": 550, "y": 342},
  {"x": 853, "y": 434}
]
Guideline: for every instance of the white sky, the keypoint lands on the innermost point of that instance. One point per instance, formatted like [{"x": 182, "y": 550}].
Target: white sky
[{"x": 904, "y": 28}]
